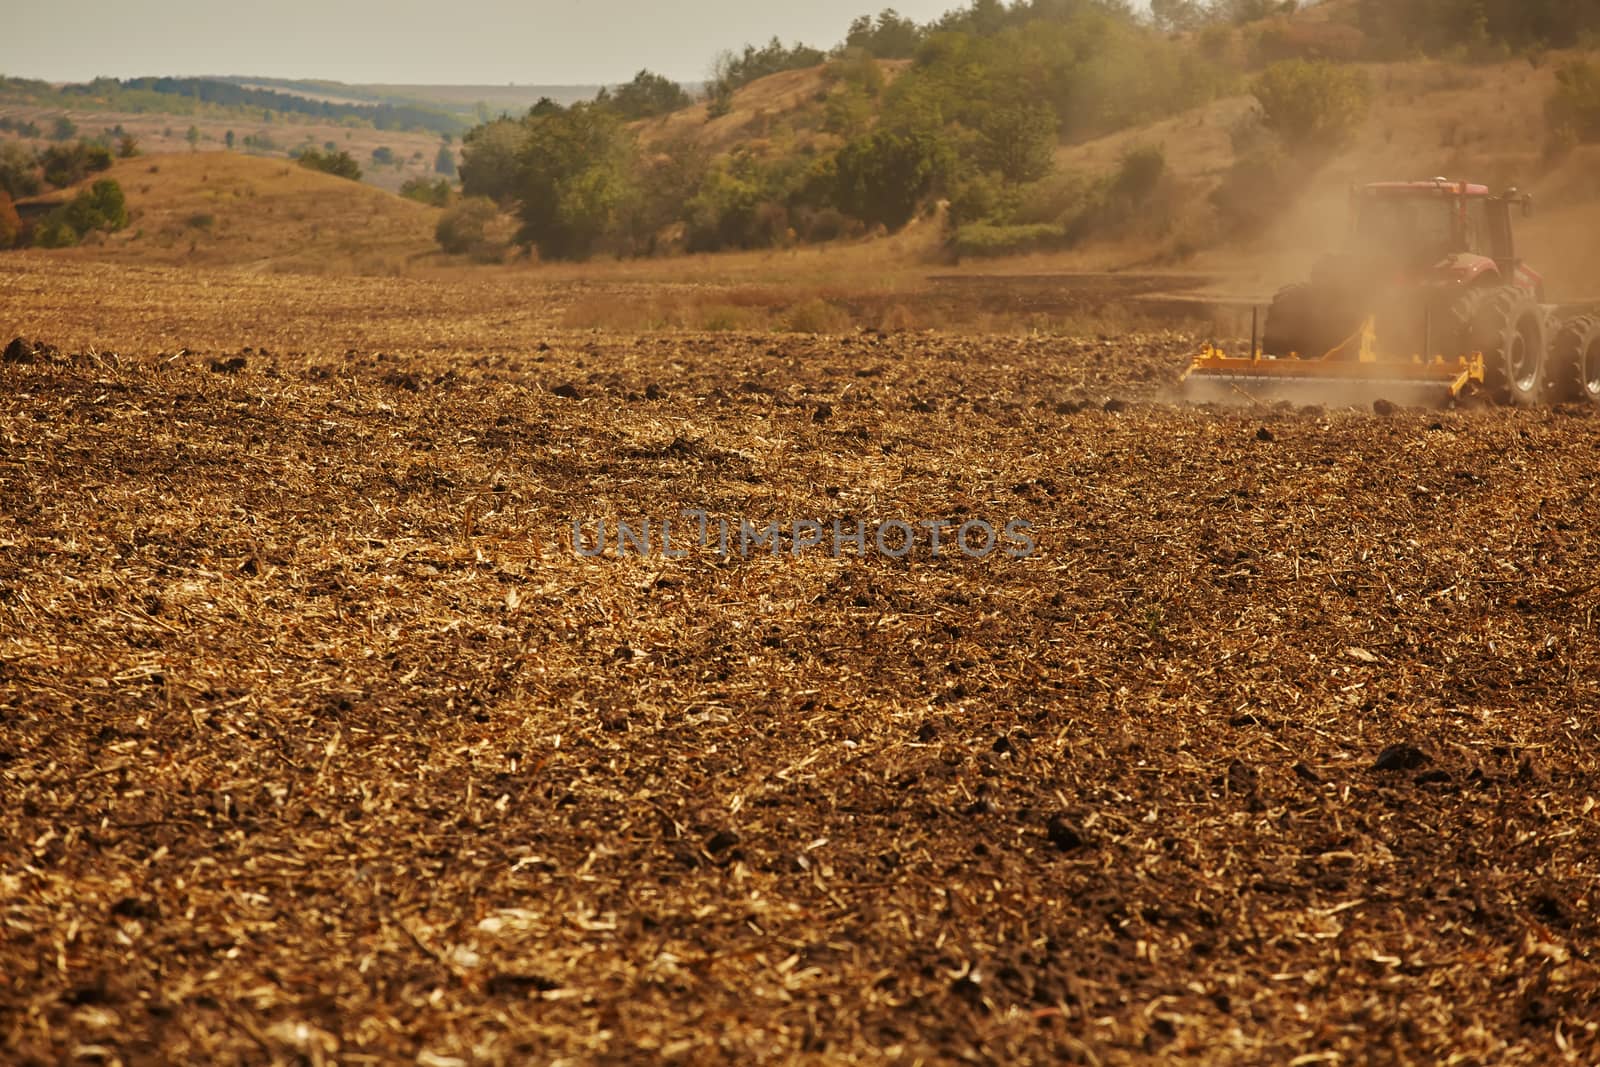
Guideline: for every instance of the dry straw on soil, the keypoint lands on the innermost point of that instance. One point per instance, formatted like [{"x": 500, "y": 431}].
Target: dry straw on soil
[{"x": 318, "y": 742}]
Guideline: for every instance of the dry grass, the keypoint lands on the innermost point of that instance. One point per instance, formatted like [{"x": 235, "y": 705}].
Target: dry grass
[
  {"x": 788, "y": 102},
  {"x": 264, "y": 214},
  {"x": 160, "y": 135},
  {"x": 320, "y": 744}
]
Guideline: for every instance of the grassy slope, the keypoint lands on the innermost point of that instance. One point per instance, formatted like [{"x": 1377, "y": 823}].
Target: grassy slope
[
  {"x": 218, "y": 209},
  {"x": 1485, "y": 123},
  {"x": 787, "y": 102}
]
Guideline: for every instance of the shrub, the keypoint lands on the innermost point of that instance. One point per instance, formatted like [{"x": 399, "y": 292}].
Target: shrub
[
  {"x": 383, "y": 156},
  {"x": 731, "y": 210},
  {"x": 63, "y": 129},
  {"x": 1255, "y": 190},
  {"x": 18, "y": 170},
  {"x": 817, "y": 316},
  {"x": 105, "y": 208},
  {"x": 465, "y": 226},
  {"x": 53, "y": 231},
  {"x": 489, "y": 159},
  {"x": 10, "y": 224},
  {"x": 987, "y": 239},
  {"x": 20, "y": 127},
  {"x": 1018, "y": 141},
  {"x": 982, "y": 198},
  {"x": 100, "y": 207},
  {"x": 647, "y": 96},
  {"x": 731, "y": 70},
  {"x": 1572, "y": 113},
  {"x": 339, "y": 164},
  {"x": 883, "y": 177},
  {"x": 1139, "y": 173},
  {"x": 434, "y": 193},
  {"x": 823, "y": 224},
  {"x": 1312, "y": 105},
  {"x": 66, "y": 165},
  {"x": 847, "y": 111},
  {"x": 96, "y": 208},
  {"x": 856, "y": 68}
]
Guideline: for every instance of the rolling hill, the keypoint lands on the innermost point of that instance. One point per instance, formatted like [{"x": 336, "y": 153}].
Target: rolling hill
[{"x": 222, "y": 209}]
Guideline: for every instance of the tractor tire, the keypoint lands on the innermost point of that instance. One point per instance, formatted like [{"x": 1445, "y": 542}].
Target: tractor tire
[
  {"x": 1575, "y": 360},
  {"x": 1508, "y": 327},
  {"x": 1288, "y": 321},
  {"x": 1302, "y": 320}
]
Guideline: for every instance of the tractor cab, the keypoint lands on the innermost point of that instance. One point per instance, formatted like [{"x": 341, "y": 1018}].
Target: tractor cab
[
  {"x": 1436, "y": 232},
  {"x": 1420, "y": 224}
]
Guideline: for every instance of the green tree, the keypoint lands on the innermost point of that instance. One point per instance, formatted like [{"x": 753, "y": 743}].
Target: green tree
[
  {"x": 1139, "y": 173},
  {"x": 720, "y": 101},
  {"x": 464, "y": 227},
  {"x": 1573, "y": 109},
  {"x": 193, "y": 137},
  {"x": 53, "y": 231},
  {"x": 63, "y": 129},
  {"x": 19, "y": 170},
  {"x": 227, "y": 139},
  {"x": 339, "y": 164},
  {"x": 1018, "y": 141},
  {"x": 1316, "y": 106},
  {"x": 445, "y": 162},
  {"x": 423, "y": 191},
  {"x": 574, "y": 180},
  {"x": 883, "y": 177},
  {"x": 647, "y": 96},
  {"x": 890, "y": 36},
  {"x": 66, "y": 165},
  {"x": 383, "y": 156},
  {"x": 127, "y": 146},
  {"x": 490, "y": 159},
  {"x": 732, "y": 209},
  {"x": 730, "y": 71},
  {"x": 100, "y": 207}
]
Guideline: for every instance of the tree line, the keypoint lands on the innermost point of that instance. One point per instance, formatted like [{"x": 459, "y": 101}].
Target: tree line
[{"x": 990, "y": 92}]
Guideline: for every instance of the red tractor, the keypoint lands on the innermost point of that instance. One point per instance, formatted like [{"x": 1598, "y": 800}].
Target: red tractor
[{"x": 1429, "y": 293}]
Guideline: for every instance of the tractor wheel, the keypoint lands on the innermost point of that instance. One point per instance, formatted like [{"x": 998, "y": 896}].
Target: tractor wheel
[
  {"x": 1301, "y": 320},
  {"x": 1509, "y": 329},
  {"x": 1288, "y": 322},
  {"x": 1575, "y": 359}
]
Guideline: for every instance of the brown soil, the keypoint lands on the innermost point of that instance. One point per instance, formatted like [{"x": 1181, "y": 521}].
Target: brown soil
[{"x": 318, "y": 741}]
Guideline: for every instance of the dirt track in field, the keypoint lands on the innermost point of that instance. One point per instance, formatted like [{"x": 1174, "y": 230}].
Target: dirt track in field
[{"x": 319, "y": 742}]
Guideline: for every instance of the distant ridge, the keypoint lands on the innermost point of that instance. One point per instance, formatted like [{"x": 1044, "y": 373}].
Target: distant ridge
[{"x": 461, "y": 99}]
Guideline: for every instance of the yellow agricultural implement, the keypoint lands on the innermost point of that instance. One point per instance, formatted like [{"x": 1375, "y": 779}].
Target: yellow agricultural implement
[{"x": 1352, "y": 372}]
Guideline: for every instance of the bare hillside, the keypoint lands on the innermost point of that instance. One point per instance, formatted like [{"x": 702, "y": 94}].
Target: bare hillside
[
  {"x": 220, "y": 209},
  {"x": 789, "y": 103}
]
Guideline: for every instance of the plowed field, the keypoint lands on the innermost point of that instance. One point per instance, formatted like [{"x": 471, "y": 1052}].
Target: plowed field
[{"x": 321, "y": 742}]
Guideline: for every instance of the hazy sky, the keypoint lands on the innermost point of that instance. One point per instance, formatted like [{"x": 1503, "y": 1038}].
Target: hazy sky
[{"x": 437, "y": 41}]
